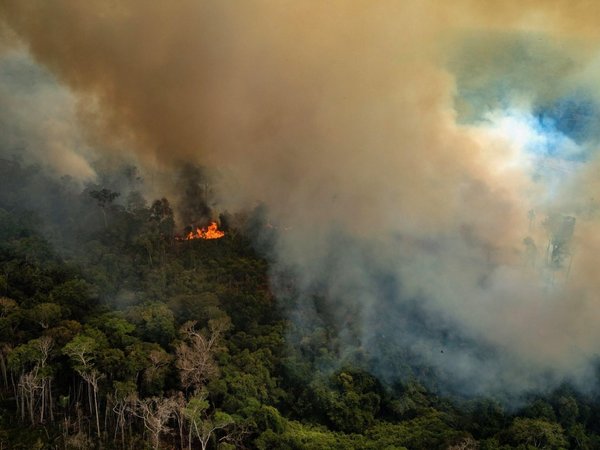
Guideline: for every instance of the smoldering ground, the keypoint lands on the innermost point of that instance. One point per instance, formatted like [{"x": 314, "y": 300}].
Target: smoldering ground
[{"x": 403, "y": 146}]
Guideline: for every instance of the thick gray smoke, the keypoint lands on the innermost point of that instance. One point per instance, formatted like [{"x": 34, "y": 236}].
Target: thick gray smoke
[
  {"x": 38, "y": 121},
  {"x": 425, "y": 161}
]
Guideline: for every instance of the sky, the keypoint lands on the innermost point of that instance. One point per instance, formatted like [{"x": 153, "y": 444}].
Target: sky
[{"x": 434, "y": 164}]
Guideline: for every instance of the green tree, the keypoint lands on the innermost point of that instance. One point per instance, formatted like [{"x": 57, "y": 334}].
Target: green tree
[
  {"x": 537, "y": 433},
  {"x": 203, "y": 425},
  {"x": 83, "y": 350},
  {"x": 104, "y": 197},
  {"x": 45, "y": 314},
  {"x": 154, "y": 322}
]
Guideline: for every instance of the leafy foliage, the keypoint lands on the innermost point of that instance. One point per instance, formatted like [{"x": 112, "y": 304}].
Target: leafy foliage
[{"x": 115, "y": 335}]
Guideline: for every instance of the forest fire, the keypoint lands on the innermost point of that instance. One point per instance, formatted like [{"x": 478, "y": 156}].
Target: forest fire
[{"x": 210, "y": 232}]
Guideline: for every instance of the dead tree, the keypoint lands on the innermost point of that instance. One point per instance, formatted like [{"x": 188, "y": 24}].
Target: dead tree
[
  {"x": 195, "y": 355},
  {"x": 92, "y": 377},
  {"x": 34, "y": 388},
  {"x": 155, "y": 413}
]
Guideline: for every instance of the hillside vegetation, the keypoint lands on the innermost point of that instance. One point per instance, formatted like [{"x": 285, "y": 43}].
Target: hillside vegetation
[{"x": 115, "y": 335}]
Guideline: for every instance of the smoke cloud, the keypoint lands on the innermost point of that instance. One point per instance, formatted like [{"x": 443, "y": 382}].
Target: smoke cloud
[
  {"x": 425, "y": 159},
  {"x": 38, "y": 119}
]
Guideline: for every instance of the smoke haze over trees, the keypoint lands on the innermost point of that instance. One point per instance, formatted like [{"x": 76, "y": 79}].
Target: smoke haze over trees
[{"x": 408, "y": 191}]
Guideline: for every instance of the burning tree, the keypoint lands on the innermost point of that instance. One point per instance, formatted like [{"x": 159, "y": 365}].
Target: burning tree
[
  {"x": 210, "y": 232},
  {"x": 194, "y": 187}
]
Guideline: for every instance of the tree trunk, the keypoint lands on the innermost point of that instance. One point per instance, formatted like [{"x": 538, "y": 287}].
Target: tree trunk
[
  {"x": 89, "y": 396},
  {"x": 96, "y": 407},
  {"x": 156, "y": 439},
  {"x": 43, "y": 398},
  {"x": 3, "y": 366},
  {"x": 22, "y": 396},
  {"x": 31, "y": 406},
  {"x": 50, "y": 404}
]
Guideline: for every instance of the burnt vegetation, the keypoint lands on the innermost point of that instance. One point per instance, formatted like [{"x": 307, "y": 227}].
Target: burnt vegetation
[{"x": 115, "y": 335}]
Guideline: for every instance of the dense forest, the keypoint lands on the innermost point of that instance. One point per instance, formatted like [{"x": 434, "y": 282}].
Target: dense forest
[{"x": 115, "y": 334}]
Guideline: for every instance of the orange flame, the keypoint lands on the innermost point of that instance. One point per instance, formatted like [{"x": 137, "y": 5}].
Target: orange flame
[{"x": 211, "y": 232}]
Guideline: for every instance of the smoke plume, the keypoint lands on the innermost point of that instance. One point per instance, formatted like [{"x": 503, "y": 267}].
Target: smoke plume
[{"x": 424, "y": 158}]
